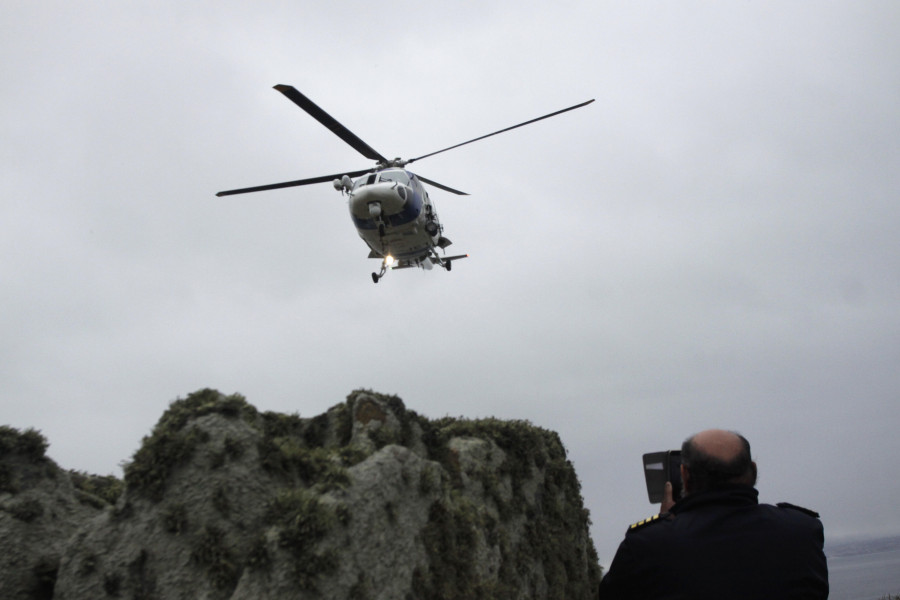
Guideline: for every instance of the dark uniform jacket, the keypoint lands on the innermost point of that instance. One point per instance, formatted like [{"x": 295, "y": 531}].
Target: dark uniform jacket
[{"x": 721, "y": 544}]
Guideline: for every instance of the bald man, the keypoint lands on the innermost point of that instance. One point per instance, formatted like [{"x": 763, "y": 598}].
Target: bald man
[{"x": 718, "y": 541}]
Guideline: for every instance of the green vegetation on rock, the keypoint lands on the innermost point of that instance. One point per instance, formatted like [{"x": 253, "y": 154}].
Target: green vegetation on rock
[
  {"x": 29, "y": 444},
  {"x": 26, "y": 448},
  {"x": 107, "y": 488},
  {"x": 302, "y": 520},
  {"x": 366, "y": 497},
  {"x": 212, "y": 553},
  {"x": 172, "y": 444}
]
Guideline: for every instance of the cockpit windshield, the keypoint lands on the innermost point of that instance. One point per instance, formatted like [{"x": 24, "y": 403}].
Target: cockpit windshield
[{"x": 398, "y": 176}]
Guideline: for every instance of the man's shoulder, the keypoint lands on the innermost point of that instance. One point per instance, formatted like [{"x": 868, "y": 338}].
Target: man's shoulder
[
  {"x": 794, "y": 508},
  {"x": 644, "y": 523}
]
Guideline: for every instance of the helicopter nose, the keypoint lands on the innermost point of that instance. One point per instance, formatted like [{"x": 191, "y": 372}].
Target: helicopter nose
[
  {"x": 392, "y": 196},
  {"x": 390, "y": 199}
]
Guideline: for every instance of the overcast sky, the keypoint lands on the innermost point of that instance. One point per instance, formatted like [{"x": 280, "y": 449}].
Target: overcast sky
[{"x": 712, "y": 243}]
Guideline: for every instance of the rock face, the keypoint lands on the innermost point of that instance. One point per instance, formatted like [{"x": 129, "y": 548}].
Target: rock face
[
  {"x": 40, "y": 509},
  {"x": 367, "y": 501}
]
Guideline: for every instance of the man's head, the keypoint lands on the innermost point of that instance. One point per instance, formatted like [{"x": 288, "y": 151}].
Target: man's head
[{"x": 716, "y": 458}]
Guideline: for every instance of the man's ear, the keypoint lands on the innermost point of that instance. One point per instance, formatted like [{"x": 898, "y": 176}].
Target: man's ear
[{"x": 685, "y": 479}]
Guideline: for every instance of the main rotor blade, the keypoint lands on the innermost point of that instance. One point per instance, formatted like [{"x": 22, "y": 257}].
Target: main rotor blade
[
  {"x": 441, "y": 186},
  {"x": 328, "y": 121},
  {"x": 287, "y": 184},
  {"x": 553, "y": 114}
]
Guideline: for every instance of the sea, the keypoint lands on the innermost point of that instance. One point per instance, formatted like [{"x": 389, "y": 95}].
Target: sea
[{"x": 865, "y": 569}]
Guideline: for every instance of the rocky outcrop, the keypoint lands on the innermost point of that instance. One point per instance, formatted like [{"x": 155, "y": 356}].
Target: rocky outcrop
[
  {"x": 41, "y": 507},
  {"x": 367, "y": 501}
]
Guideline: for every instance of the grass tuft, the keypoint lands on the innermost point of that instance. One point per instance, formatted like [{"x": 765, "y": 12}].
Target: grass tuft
[
  {"x": 171, "y": 444},
  {"x": 30, "y": 444},
  {"x": 302, "y": 522}
]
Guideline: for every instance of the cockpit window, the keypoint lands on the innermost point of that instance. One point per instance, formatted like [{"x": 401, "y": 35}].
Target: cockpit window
[
  {"x": 363, "y": 181},
  {"x": 398, "y": 176}
]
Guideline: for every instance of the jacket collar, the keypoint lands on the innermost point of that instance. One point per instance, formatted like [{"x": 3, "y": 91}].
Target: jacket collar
[{"x": 732, "y": 495}]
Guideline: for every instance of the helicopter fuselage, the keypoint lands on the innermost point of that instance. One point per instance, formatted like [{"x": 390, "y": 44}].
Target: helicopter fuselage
[
  {"x": 389, "y": 205},
  {"x": 394, "y": 216}
]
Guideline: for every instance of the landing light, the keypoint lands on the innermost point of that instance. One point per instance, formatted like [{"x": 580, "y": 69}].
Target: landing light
[{"x": 388, "y": 260}]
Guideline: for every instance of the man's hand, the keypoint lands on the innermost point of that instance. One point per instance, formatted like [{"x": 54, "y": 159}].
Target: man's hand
[{"x": 667, "y": 502}]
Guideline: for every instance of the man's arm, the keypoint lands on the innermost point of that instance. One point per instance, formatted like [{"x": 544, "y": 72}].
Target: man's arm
[
  {"x": 621, "y": 581},
  {"x": 618, "y": 582}
]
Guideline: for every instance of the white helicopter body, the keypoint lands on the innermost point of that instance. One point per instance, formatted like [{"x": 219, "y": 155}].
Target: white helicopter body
[
  {"x": 389, "y": 205},
  {"x": 395, "y": 217}
]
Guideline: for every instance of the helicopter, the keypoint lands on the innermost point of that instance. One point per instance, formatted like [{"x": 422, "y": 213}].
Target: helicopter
[{"x": 389, "y": 205}]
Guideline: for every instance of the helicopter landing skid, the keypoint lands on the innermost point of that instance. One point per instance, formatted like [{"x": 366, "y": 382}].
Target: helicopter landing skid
[
  {"x": 446, "y": 261},
  {"x": 441, "y": 262},
  {"x": 380, "y": 274}
]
